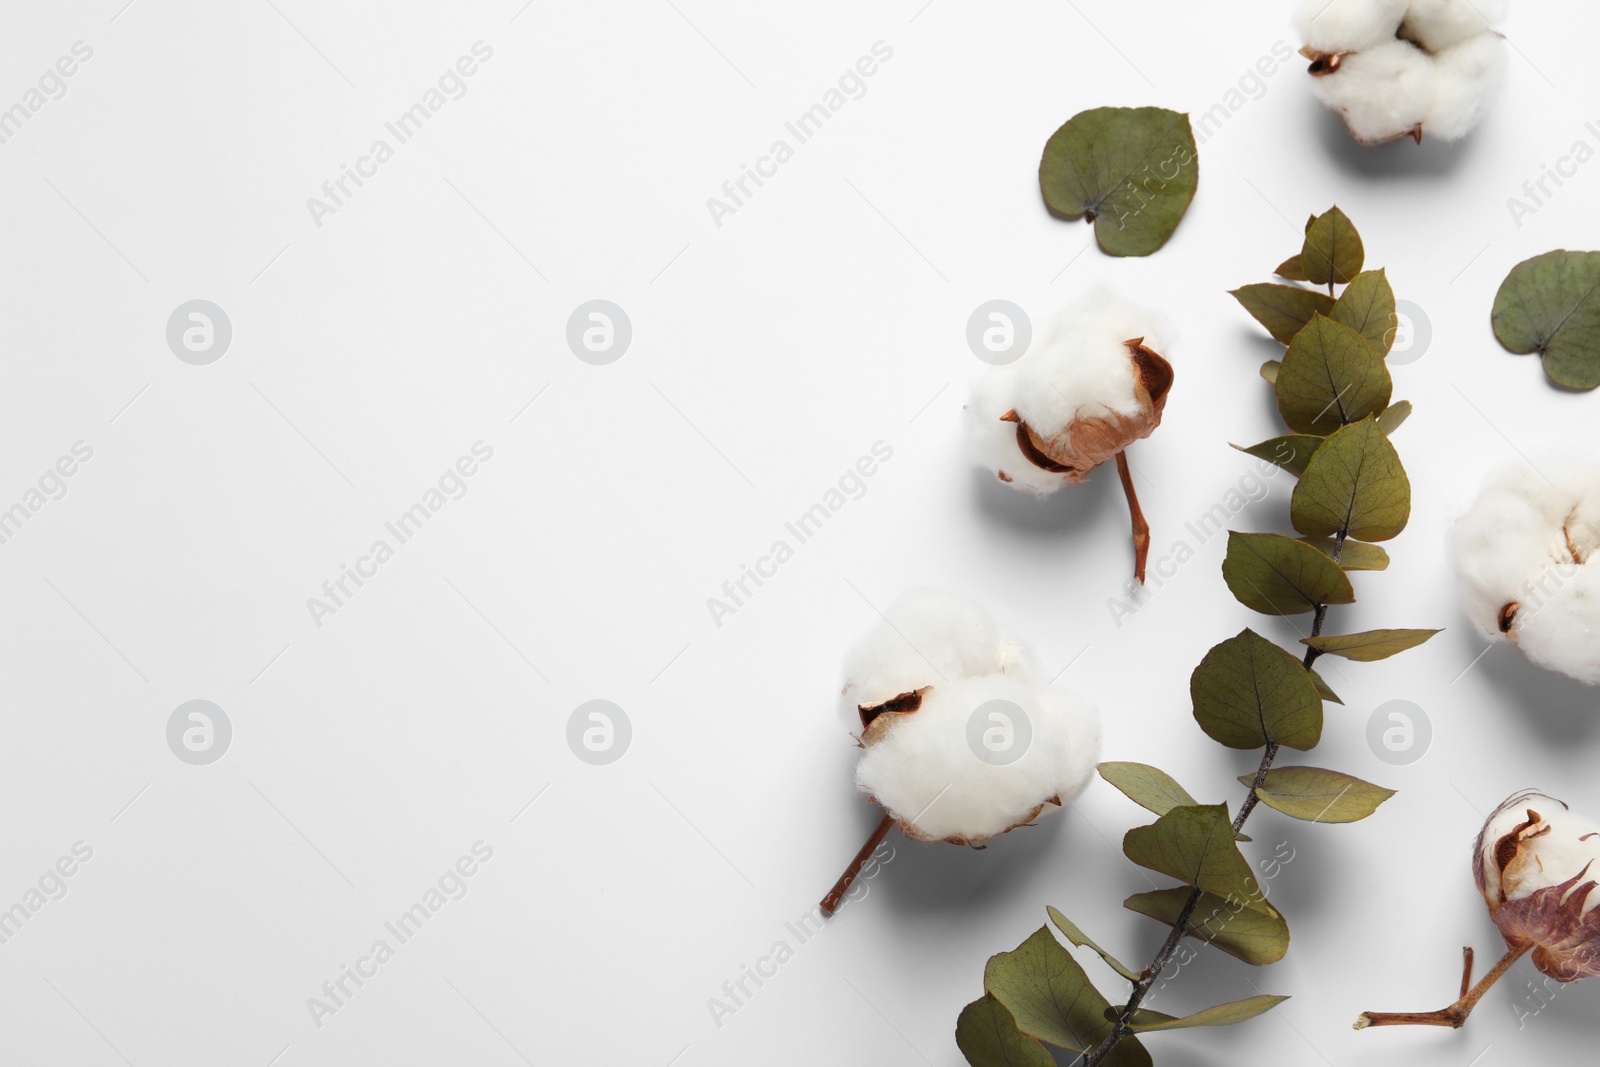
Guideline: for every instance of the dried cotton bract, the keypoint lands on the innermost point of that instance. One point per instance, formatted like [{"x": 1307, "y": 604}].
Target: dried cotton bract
[
  {"x": 1395, "y": 69},
  {"x": 1528, "y": 557}
]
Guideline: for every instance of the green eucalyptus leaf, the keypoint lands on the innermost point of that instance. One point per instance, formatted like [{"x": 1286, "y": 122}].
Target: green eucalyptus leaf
[
  {"x": 1332, "y": 251},
  {"x": 1354, "y": 485},
  {"x": 1291, "y": 269},
  {"x": 1195, "y": 845},
  {"x": 1130, "y": 171},
  {"x": 1291, "y": 451},
  {"x": 1146, "y": 1021},
  {"x": 1051, "y": 999},
  {"x": 1248, "y": 692},
  {"x": 1324, "y": 690},
  {"x": 1149, "y": 787},
  {"x": 1316, "y": 795},
  {"x": 1368, "y": 645},
  {"x": 1278, "y": 575},
  {"x": 1393, "y": 415},
  {"x": 1269, "y": 370},
  {"x": 1550, "y": 304},
  {"x": 987, "y": 1036},
  {"x": 1282, "y": 309},
  {"x": 1355, "y": 556},
  {"x": 1070, "y": 930},
  {"x": 1256, "y": 937},
  {"x": 1330, "y": 377},
  {"x": 1367, "y": 307}
]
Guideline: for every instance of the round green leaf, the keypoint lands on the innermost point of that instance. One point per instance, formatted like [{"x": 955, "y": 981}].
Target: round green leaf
[
  {"x": 1130, "y": 171},
  {"x": 1282, "y": 309},
  {"x": 1330, "y": 377},
  {"x": 1550, "y": 304},
  {"x": 1277, "y": 575},
  {"x": 1195, "y": 845},
  {"x": 1332, "y": 251},
  {"x": 1316, "y": 795},
  {"x": 1051, "y": 999},
  {"x": 1355, "y": 486},
  {"x": 1368, "y": 645},
  {"x": 1256, "y": 937},
  {"x": 988, "y": 1037},
  {"x": 1248, "y": 692},
  {"x": 1367, "y": 307}
]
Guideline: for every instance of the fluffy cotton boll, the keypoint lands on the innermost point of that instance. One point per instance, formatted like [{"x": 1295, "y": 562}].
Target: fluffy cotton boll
[
  {"x": 980, "y": 756},
  {"x": 1080, "y": 367},
  {"x": 1466, "y": 76},
  {"x": 1535, "y": 862},
  {"x": 1335, "y": 26},
  {"x": 1440, "y": 24},
  {"x": 992, "y": 439},
  {"x": 1382, "y": 92},
  {"x": 1528, "y": 559}
]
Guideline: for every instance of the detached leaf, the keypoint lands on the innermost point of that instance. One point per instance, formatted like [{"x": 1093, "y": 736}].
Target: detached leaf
[
  {"x": 1081, "y": 939},
  {"x": 1282, "y": 309},
  {"x": 1277, "y": 575},
  {"x": 1234, "y": 1011},
  {"x": 1248, "y": 692},
  {"x": 1330, "y": 377},
  {"x": 1353, "y": 485},
  {"x": 1332, "y": 251},
  {"x": 1195, "y": 845},
  {"x": 1368, "y": 645},
  {"x": 988, "y": 1037},
  {"x": 1393, "y": 416},
  {"x": 1323, "y": 688},
  {"x": 1269, "y": 370},
  {"x": 1291, "y": 269},
  {"x": 1317, "y": 795},
  {"x": 1130, "y": 171},
  {"x": 1051, "y": 999},
  {"x": 1149, "y": 787},
  {"x": 1367, "y": 307},
  {"x": 1256, "y": 937},
  {"x": 1291, "y": 452},
  {"x": 1550, "y": 304},
  {"x": 1356, "y": 556}
]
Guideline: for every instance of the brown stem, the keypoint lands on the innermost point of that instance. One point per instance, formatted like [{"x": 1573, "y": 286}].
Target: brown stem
[
  {"x": 1466, "y": 969},
  {"x": 1456, "y": 1014},
  {"x": 830, "y": 903},
  {"x": 1141, "y": 528}
]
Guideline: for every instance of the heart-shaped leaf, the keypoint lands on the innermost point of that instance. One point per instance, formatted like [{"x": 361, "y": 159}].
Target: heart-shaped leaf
[
  {"x": 1130, "y": 171},
  {"x": 1368, "y": 645},
  {"x": 1234, "y": 1011},
  {"x": 1277, "y": 575},
  {"x": 1248, "y": 692},
  {"x": 1069, "y": 929},
  {"x": 1256, "y": 937},
  {"x": 1282, "y": 309},
  {"x": 1316, "y": 795},
  {"x": 1330, "y": 377},
  {"x": 987, "y": 1036},
  {"x": 1195, "y": 845},
  {"x": 1354, "y": 486},
  {"x": 1367, "y": 307},
  {"x": 1051, "y": 999},
  {"x": 1550, "y": 304},
  {"x": 1291, "y": 452},
  {"x": 1332, "y": 251}
]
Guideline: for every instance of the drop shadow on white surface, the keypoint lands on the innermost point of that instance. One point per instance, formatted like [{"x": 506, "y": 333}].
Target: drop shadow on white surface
[
  {"x": 1402, "y": 160},
  {"x": 1059, "y": 515},
  {"x": 1561, "y": 710}
]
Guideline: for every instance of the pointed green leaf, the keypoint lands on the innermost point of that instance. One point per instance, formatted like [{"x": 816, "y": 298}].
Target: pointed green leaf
[
  {"x": 1291, "y": 451},
  {"x": 1367, "y": 307},
  {"x": 1070, "y": 930},
  {"x": 1146, "y": 1021},
  {"x": 1332, "y": 252},
  {"x": 1269, "y": 370},
  {"x": 1146, "y": 786},
  {"x": 1393, "y": 415},
  {"x": 1256, "y": 937},
  {"x": 1278, "y": 575},
  {"x": 1355, "y": 556},
  {"x": 1324, "y": 690},
  {"x": 1354, "y": 485},
  {"x": 1316, "y": 795},
  {"x": 1130, "y": 171},
  {"x": 1550, "y": 304},
  {"x": 1368, "y": 645},
  {"x": 1248, "y": 692},
  {"x": 1195, "y": 845},
  {"x": 988, "y": 1037},
  {"x": 1050, "y": 998},
  {"x": 1282, "y": 309},
  {"x": 1291, "y": 269},
  {"x": 1330, "y": 377}
]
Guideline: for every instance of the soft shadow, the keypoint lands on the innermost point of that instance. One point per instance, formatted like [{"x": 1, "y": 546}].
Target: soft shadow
[
  {"x": 1562, "y": 710},
  {"x": 931, "y": 877},
  {"x": 1396, "y": 160},
  {"x": 1060, "y": 514}
]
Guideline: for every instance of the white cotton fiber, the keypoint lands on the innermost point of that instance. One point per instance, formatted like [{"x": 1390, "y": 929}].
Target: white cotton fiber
[
  {"x": 949, "y": 769},
  {"x": 1383, "y": 92},
  {"x": 1528, "y": 558},
  {"x": 1440, "y": 24},
  {"x": 993, "y": 442},
  {"x": 1467, "y": 75},
  {"x": 1347, "y": 25}
]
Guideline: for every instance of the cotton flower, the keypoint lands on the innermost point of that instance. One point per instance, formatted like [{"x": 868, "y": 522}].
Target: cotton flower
[
  {"x": 1536, "y": 865},
  {"x": 1091, "y": 383},
  {"x": 1528, "y": 557},
  {"x": 1392, "y": 68}
]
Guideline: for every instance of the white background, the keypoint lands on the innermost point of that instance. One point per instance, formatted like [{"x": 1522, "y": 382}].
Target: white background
[{"x": 768, "y": 354}]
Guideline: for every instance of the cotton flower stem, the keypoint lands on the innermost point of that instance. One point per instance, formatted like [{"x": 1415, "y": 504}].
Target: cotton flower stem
[
  {"x": 830, "y": 903},
  {"x": 1141, "y": 528},
  {"x": 1456, "y": 1014}
]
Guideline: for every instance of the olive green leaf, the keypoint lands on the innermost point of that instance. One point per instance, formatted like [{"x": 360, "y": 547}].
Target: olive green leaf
[
  {"x": 1194, "y": 844},
  {"x": 1269, "y": 370},
  {"x": 1550, "y": 304},
  {"x": 1291, "y": 451},
  {"x": 1354, "y": 485},
  {"x": 1355, "y": 556},
  {"x": 1393, "y": 415},
  {"x": 1367, "y": 307},
  {"x": 1256, "y": 937},
  {"x": 1332, "y": 252},
  {"x": 1316, "y": 795},
  {"x": 1277, "y": 575},
  {"x": 1051, "y": 999},
  {"x": 1248, "y": 692},
  {"x": 1324, "y": 690},
  {"x": 987, "y": 1036},
  {"x": 1291, "y": 269},
  {"x": 1148, "y": 787},
  {"x": 1368, "y": 645},
  {"x": 1282, "y": 309},
  {"x": 1081, "y": 939},
  {"x": 1330, "y": 377},
  {"x": 1130, "y": 171},
  {"x": 1147, "y": 1021}
]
